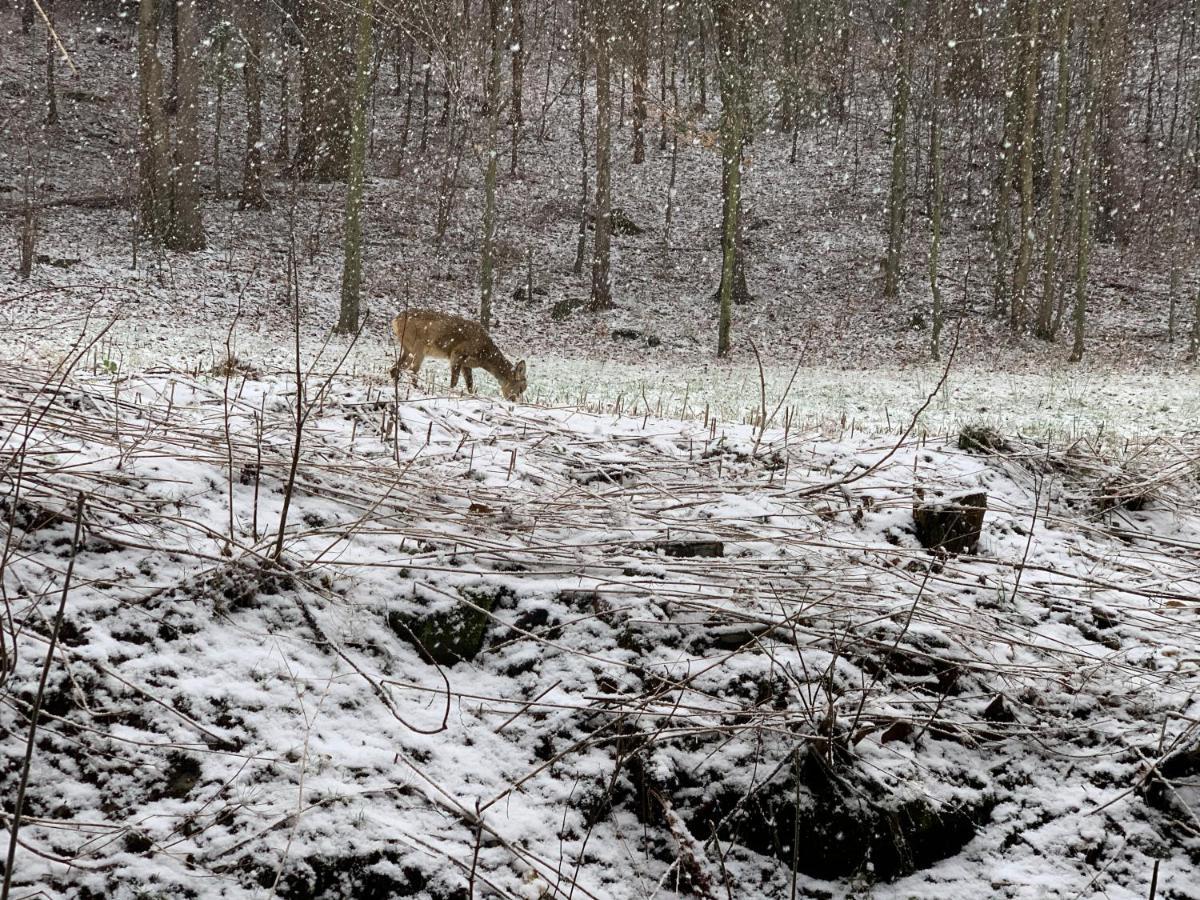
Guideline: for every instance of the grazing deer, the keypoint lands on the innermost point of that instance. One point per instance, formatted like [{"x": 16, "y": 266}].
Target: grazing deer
[{"x": 427, "y": 332}]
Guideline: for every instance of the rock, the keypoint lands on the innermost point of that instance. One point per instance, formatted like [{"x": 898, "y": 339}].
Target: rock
[
  {"x": 625, "y": 333},
  {"x": 690, "y": 549},
  {"x": 621, "y": 223},
  {"x": 980, "y": 438},
  {"x": 562, "y": 309},
  {"x": 450, "y": 632},
  {"x": 949, "y": 524},
  {"x": 845, "y": 823},
  {"x": 57, "y": 262},
  {"x": 1174, "y": 787},
  {"x": 518, "y": 294}
]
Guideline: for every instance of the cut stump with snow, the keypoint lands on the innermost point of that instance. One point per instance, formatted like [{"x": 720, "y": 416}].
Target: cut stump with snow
[{"x": 949, "y": 524}]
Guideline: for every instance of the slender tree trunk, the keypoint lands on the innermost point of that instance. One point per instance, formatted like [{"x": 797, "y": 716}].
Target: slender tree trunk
[
  {"x": 898, "y": 191},
  {"x": 1019, "y": 310},
  {"x": 935, "y": 170},
  {"x": 492, "y": 90},
  {"x": 662, "y": 74},
  {"x": 283, "y": 150},
  {"x": 519, "y": 55},
  {"x": 641, "y": 75},
  {"x": 1001, "y": 222},
  {"x": 51, "y": 66},
  {"x": 252, "y": 166},
  {"x": 352, "y": 262},
  {"x": 670, "y": 211},
  {"x": 731, "y": 75},
  {"x": 221, "y": 46},
  {"x": 585, "y": 194},
  {"x": 408, "y": 99},
  {"x": 601, "y": 297},
  {"x": 1044, "y": 328},
  {"x": 1093, "y": 78}
]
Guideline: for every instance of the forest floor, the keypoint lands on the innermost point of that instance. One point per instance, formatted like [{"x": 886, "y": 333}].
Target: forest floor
[{"x": 478, "y": 655}]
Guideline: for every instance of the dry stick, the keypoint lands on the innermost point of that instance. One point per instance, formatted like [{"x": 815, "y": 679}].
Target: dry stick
[
  {"x": 54, "y": 34},
  {"x": 37, "y": 704}
]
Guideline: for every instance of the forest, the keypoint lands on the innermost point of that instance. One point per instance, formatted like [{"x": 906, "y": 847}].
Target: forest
[{"x": 599, "y": 449}]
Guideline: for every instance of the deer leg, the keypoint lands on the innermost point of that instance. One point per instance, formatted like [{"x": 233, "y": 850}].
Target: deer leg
[
  {"x": 455, "y": 368},
  {"x": 402, "y": 361},
  {"x": 417, "y": 359},
  {"x": 469, "y": 378}
]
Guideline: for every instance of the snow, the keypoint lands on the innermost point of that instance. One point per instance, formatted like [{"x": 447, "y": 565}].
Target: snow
[{"x": 313, "y": 747}]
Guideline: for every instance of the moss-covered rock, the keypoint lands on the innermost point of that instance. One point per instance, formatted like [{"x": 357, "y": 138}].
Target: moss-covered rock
[
  {"x": 451, "y": 631},
  {"x": 843, "y": 824}
]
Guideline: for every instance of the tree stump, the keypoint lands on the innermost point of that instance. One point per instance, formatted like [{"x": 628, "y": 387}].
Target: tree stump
[{"x": 949, "y": 524}]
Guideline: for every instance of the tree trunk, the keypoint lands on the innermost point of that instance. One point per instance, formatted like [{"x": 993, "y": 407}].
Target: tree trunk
[
  {"x": 283, "y": 150},
  {"x": 326, "y": 76},
  {"x": 1093, "y": 80},
  {"x": 168, "y": 151},
  {"x": 352, "y": 262},
  {"x": 519, "y": 54},
  {"x": 1044, "y": 328},
  {"x": 220, "y": 44},
  {"x": 731, "y": 75},
  {"x": 186, "y": 231},
  {"x": 935, "y": 170},
  {"x": 1001, "y": 222},
  {"x": 1019, "y": 310},
  {"x": 898, "y": 190},
  {"x": 252, "y": 167},
  {"x": 601, "y": 297},
  {"x": 51, "y": 65},
  {"x": 641, "y": 75},
  {"x": 581, "y": 243},
  {"x": 492, "y": 91},
  {"x": 154, "y": 203},
  {"x": 662, "y": 74}
]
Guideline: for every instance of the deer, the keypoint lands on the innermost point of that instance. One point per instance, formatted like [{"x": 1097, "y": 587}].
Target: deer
[{"x": 465, "y": 343}]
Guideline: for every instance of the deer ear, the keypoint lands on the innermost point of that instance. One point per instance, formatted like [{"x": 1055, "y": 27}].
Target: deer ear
[{"x": 521, "y": 368}]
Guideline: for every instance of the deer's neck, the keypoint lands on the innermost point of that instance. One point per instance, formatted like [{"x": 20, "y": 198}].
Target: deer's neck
[{"x": 495, "y": 362}]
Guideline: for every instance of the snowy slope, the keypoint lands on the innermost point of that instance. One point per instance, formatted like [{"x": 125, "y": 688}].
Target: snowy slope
[{"x": 222, "y": 723}]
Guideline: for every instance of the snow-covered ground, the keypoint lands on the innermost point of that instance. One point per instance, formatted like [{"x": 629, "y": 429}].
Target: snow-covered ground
[{"x": 223, "y": 721}]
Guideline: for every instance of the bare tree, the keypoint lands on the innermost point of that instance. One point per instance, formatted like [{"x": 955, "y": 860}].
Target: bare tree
[
  {"x": 1046, "y": 319},
  {"x": 352, "y": 262},
  {"x": 601, "y": 51},
  {"x": 1030, "y": 69},
  {"x": 487, "y": 260},
  {"x": 251, "y": 27},
  {"x": 898, "y": 190},
  {"x": 168, "y": 151},
  {"x": 1093, "y": 81}
]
